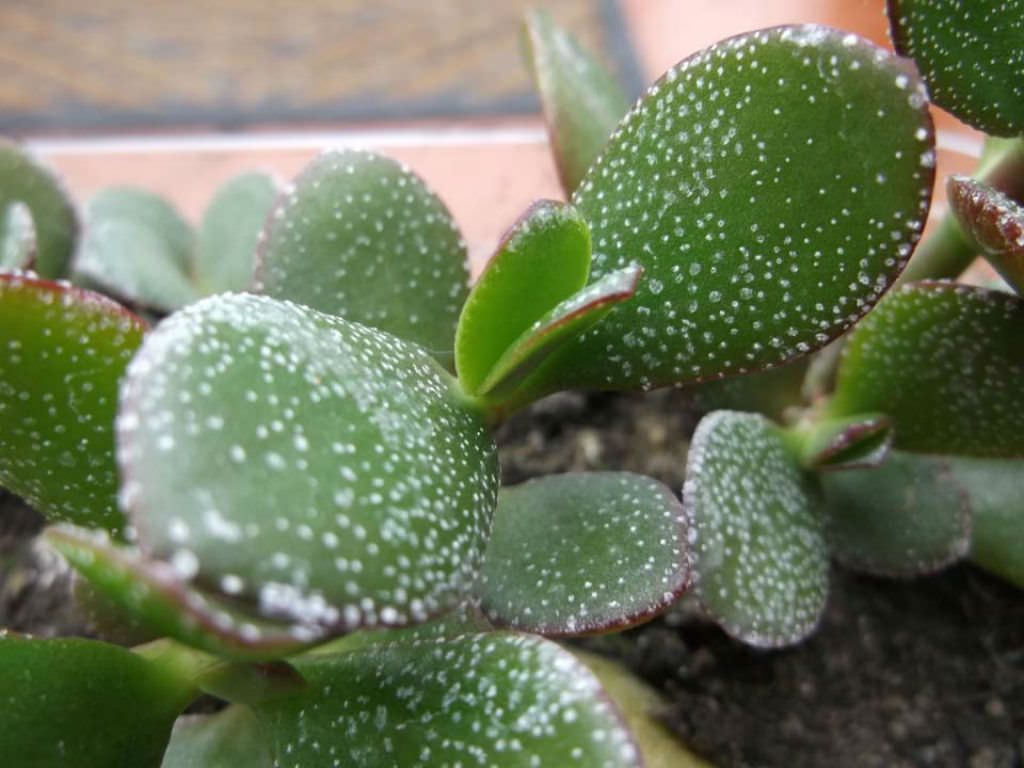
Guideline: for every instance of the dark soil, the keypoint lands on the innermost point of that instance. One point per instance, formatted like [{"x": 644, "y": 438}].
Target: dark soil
[{"x": 928, "y": 672}]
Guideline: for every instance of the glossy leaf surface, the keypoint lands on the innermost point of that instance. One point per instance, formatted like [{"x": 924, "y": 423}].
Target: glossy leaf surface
[
  {"x": 584, "y": 552},
  {"x": 857, "y": 441},
  {"x": 971, "y": 55},
  {"x": 84, "y": 703},
  {"x": 362, "y": 237},
  {"x": 945, "y": 363},
  {"x": 63, "y": 352},
  {"x": 22, "y": 179},
  {"x": 544, "y": 259},
  {"x": 582, "y": 101},
  {"x": 772, "y": 187},
  {"x": 321, "y": 471},
  {"x": 491, "y": 699},
  {"x": 906, "y": 517},
  {"x": 761, "y": 563},
  {"x": 994, "y": 222},
  {"x": 230, "y": 738},
  {"x": 18, "y": 245}
]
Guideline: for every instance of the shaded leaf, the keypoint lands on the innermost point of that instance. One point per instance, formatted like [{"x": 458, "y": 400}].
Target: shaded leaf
[
  {"x": 994, "y": 222},
  {"x": 772, "y": 187},
  {"x": 17, "y": 238},
  {"x": 153, "y": 593},
  {"x": 582, "y": 101},
  {"x": 970, "y": 54},
  {"x": 760, "y": 562},
  {"x": 907, "y": 517},
  {"x": 584, "y": 552},
  {"x": 64, "y": 350},
  {"x": 362, "y": 237},
  {"x": 491, "y": 699},
  {"x": 138, "y": 248},
  {"x": 847, "y": 443},
  {"x": 544, "y": 259},
  {"x": 770, "y": 392},
  {"x": 231, "y": 738},
  {"x": 23, "y": 179},
  {"x": 230, "y": 232},
  {"x": 944, "y": 362},
  {"x": 84, "y": 703},
  {"x": 317, "y": 470}
]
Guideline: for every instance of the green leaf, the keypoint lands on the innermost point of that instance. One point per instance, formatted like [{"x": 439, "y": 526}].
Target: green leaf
[
  {"x": 362, "y": 237},
  {"x": 772, "y": 187},
  {"x": 63, "y": 352},
  {"x": 995, "y": 488},
  {"x": 230, "y": 738},
  {"x": 907, "y": 517},
  {"x": 23, "y": 179},
  {"x": 154, "y": 594},
  {"x": 761, "y": 564},
  {"x": 18, "y": 245},
  {"x": 944, "y": 362},
  {"x": 519, "y": 375},
  {"x": 970, "y": 54},
  {"x": 771, "y": 392},
  {"x": 82, "y": 703},
  {"x": 994, "y": 222},
  {"x": 544, "y": 259},
  {"x": 584, "y": 552},
  {"x": 490, "y": 699},
  {"x": 582, "y": 101},
  {"x": 317, "y": 470},
  {"x": 230, "y": 232},
  {"x": 846, "y": 443},
  {"x": 138, "y": 248}
]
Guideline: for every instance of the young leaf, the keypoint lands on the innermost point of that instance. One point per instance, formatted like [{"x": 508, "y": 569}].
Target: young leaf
[
  {"x": 320, "y": 471},
  {"x": 582, "y": 553},
  {"x": 488, "y": 699},
  {"x": 772, "y": 187},
  {"x": 84, "y": 703},
  {"x": 64, "y": 350},
  {"x": 362, "y": 237},
  {"x": 18, "y": 245},
  {"x": 231, "y": 738},
  {"x": 138, "y": 248},
  {"x": 907, "y": 517},
  {"x": 544, "y": 259},
  {"x": 944, "y": 362},
  {"x": 970, "y": 54},
  {"x": 760, "y": 562},
  {"x": 994, "y": 222},
  {"x": 230, "y": 232},
  {"x": 153, "y": 593},
  {"x": 23, "y": 180},
  {"x": 847, "y": 443},
  {"x": 582, "y": 101}
]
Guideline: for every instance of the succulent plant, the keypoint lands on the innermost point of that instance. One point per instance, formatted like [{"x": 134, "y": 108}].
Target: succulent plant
[{"x": 297, "y": 490}]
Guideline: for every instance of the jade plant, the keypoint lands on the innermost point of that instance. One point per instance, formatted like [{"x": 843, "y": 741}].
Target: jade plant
[{"x": 294, "y": 491}]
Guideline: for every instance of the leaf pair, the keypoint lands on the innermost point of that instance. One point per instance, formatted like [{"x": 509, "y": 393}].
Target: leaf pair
[{"x": 138, "y": 248}]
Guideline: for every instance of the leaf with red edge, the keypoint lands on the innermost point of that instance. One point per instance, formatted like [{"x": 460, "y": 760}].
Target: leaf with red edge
[
  {"x": 584, "y": 552},
  {"x": 838, "y": 444},
  {"x": 64, "y": 351},
  {"x": 994, "y": 222}
]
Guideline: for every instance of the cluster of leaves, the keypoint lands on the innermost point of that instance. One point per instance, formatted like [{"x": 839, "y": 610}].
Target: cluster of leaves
[{"x": 297, "y": 487}]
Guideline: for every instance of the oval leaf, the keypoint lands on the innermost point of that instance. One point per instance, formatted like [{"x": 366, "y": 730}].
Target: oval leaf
[
  {"x": 772, "y": 187},
  {"x": 230, "y": 233},
  {"x": 24, "y": 180},
  {"x": 582, "y": 553},
  {"x": 582, "y": 101},
  {"x": 760, "y": 562},
  {"x": 321, "y": 471},
  {"x": 362, "y": 237},
  {"x": 971, "y": 55},
  {"x": 83, "y": 703},
  {"x": 64, "y": 350},
  {"x": 944, "y": 362},
  {"x": 18, "y": 245},
  {"x": 994, "y": 222},
  {"x": 907, "y": 517},
  {"x": 491, "y": 699},
  {"x": 230, "y": 738},
  {"x": 544, "y": 258}
]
